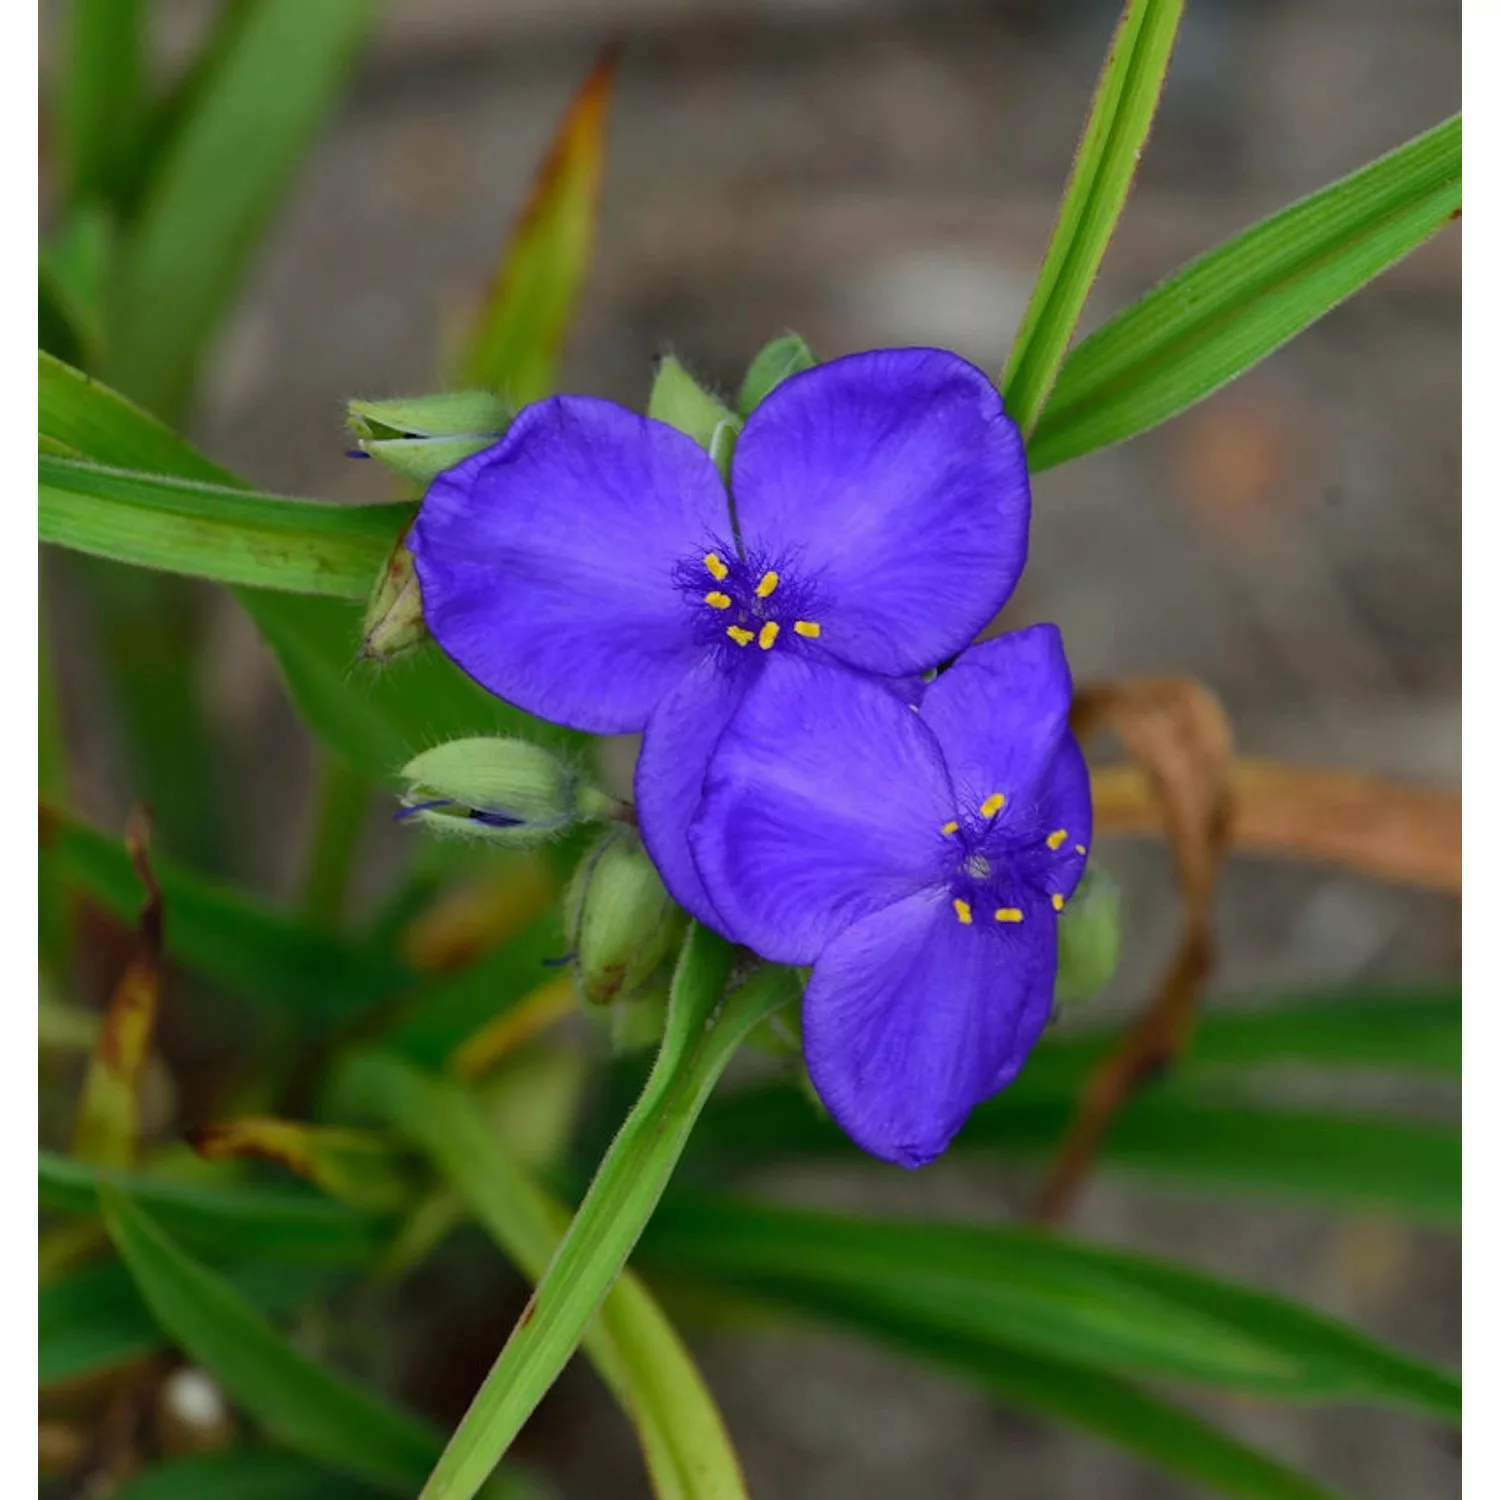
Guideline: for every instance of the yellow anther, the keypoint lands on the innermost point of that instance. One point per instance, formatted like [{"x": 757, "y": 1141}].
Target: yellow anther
[
  {"x": 965, "y": 915},
  {"x": 739, "y": 635},
  {"x": 768, "y": 633},
  {"x": 767, "y": 585},
  {"x": 717, "y": 600},
  {"x": 810, "y": 628},
  {"x": 950, "y": 828},
  {"x": 715, "y": 565},
  {"x": 1055, "y": 840},
  {"x": 992, "y": 804},
  {"x": 1009, "y": 914},
  {"x": 1057, "y": 902},
  {"x": 1079, "y": 849}
]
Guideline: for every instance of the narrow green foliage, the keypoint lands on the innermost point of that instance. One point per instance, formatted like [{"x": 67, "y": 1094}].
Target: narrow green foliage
[
  {"x": 519, "y": 332},
  {"x": 634, "y": 1347},
  {"x": 222, "y": 1218},
  {"x": 1124, "y": 106},
  {"x": 242, "y": 1474},
  {"x": 102, "y": 96},
  {"x": 312, "y": 1411},
  {"x": 291, "y": 971},
  {"x": 211, "y": 531},
  {"x": 1230, "y": 308},
  {"x": 271, "y": 79},
  {"x": 1118, "y": 1313},
  {"x": 702, "y": 1034}
]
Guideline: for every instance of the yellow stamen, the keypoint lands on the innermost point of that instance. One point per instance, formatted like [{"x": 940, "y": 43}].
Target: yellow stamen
[
  {"x": 810, "y": 628},
  {"x": 739, "y": 635},
  {"x": 965, "y": 915},
  {"x": 992, "y": 804},
  {"x": 1079, "y": 849},
  {"x": 768, "y": 633},
  {"x": 1009, "y": 914},
  {"x": 767, "y": 585},
  {"x": 950, "y": 828},
  {"x": 1057, "y": 902},
  {"x": 717, "y": 600},
  {"x": 1055, "y": 840},
  {"x": 715, "y": 565}
]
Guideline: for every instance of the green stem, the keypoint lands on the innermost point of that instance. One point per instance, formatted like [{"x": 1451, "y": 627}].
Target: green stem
[
  {"x": 343, "y": 799},
  {"x": 702, "y": 1035}
]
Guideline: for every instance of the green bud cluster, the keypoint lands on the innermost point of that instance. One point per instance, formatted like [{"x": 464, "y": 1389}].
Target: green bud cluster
[{"x": 418, "y": 437}]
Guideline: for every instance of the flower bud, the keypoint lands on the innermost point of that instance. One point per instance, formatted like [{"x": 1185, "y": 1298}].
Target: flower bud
[
  {"x": 623, "y": 925},
  {"x": 393, "y": 618},
  {"x": 418, "y": 437},
  {"x": 1088, "y": 937},
  {"x": 505, "y": 791},
  {"x": 780, "y": 358}
]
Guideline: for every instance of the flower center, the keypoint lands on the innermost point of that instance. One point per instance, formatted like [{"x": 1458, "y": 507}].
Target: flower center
[
  {"x": 1002, "y": 864},
  {"x": 739, "y": 602}
]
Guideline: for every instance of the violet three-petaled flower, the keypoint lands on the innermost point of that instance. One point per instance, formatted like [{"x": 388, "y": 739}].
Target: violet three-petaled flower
[
  {"x": 589, "y": 568},
  {"x": 918, "y": 859}
]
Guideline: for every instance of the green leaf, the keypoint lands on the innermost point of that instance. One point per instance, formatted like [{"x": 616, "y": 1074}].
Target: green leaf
[
  {"x": 1119, "y": 121},
  {"x": 1163, "y": 1434},
  {"x": 778, "y": 361},
  {"x": 226, "y": 1219},
  {"x": 1183, "y": 1128},
  {"x": 634, "y": 1347},
  {"x": 1230, "y": 308},
  {"x": 287, "y": 968},
  {"x": 94, "y": 1319},
  {"x": 701, "y": 1036},
  {"x": 309, "y": 1409},
  {"x": 102, "y": 96},
  {"x": 270, "y": 81},
  {"x": 520, "y": 329},
  {"x": 1016, "y": 1289},
  {"x": 378, "y": 717},
  {"x": 101, "y": 424},
  {"x": 241, "y": 1474},
  {"x": 213, "y": 531}
]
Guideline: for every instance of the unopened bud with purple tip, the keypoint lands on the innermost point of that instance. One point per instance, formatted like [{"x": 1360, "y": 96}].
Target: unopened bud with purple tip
[
  {"x": 418, "y": 437},
  {"x": 504, "y": 791}
]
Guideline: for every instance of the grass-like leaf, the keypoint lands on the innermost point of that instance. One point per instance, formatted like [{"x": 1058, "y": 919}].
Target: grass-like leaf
[
  {"x": 270, "y": 79},
  {"x": 519, "y": 331},
  {"x": 242, "y": 1474},
  {"x": 634, "y": 1347},
  {"x": 314, "y": 1412},
  {"x": 1119, "y": 121},
  {"x": 212, "y": 531},
  {"x": 1118, "y": 1313},
  {"x": 701, "y": 1036},
  {"x": 1231, "y": 307}
]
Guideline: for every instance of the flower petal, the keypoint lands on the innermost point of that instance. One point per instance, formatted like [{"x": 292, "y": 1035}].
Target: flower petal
[
  {"x": 824, "y": 802},
  {"x": 911, "y": 1019},
  {"x": 681, "y": 736},
  {"x": 897, "y": 482},
  {"x": 546, "y": 562},
  {"x": 1064, "y": 802},
  {"x": 1000, "y": 712}
]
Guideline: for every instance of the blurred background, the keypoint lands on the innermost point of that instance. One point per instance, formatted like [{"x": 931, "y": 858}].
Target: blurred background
[{"x": 873, "y": 172}]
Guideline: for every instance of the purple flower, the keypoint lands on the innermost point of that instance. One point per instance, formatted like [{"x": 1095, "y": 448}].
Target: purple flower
[
  {"x": 589, "y": 567},
  {"x": 918, "y": 859}
]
